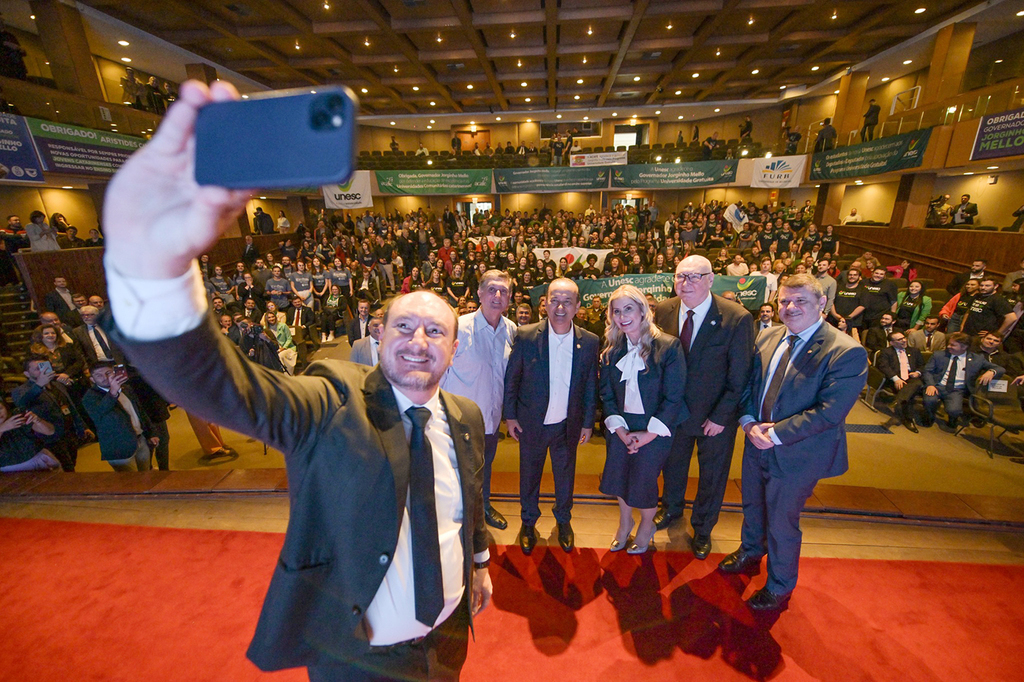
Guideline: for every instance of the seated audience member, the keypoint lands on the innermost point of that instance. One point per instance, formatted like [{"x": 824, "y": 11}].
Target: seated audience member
[
  {"x": 765, "y": 319},
  {"x": 902, "y": 366},
  {"x": 877, "y": 337},
  {"x": 93, "y": 342},
  {"x": 249, "y": 290},
  {"x": 235, "y": 334},
  {"x": 285, "y": 346},
  {"x": 53, "y": 320},
  {"x": 927, "y": 338},
  {"x": 952, "y": 375},
  {"x": 301, "y": 323},
  {"x": 332, "y": 314},
  {"x": 97, "y": 302},
  {"x": 251, "y": 311},
  {"x": 990, "y": 345},
  {"x": 358, "y": 327},
  {"x": 43, "y": 395},
  {"x": 122, "y": 426},
  {"x": 20, "y": 448},
  {"x": 366, "y": 351},
  {"x": 67, "y": 361},
  {"x": 738, "y": 267},
  {"x": 61, "y": 301}
]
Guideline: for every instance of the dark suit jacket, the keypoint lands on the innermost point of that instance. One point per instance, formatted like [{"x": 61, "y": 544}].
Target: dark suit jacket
[
  {"x": 889, "y": 365},
  {"x": 528, "y": 382},
  {"x": 659, "y": 383},
  {"x": 55, "y": 303},
  {"x": 354, "y": 329},
  {"x": 976, "y": 366},
  {"x": 249, "y": 255},
  {"x": 819, "y": 390},
  {"x": 113, "y": 425},
  {"x": 876, "y": 339},
  {"x": 718, "y": 363},
  {"x": 348, "y": 470},
  {"x": 84, "y": 343}
]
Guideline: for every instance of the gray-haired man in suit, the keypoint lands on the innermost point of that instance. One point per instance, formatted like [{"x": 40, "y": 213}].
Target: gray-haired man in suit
[{"x": 805, "y": 380}]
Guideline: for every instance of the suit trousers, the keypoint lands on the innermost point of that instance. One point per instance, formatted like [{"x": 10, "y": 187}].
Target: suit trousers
[
  {"x": 714, "y": 456},
  {"x": 438, "y": 656},
  {"x": 534, "y": 444},
  {"x": 911, "y": 388},
  {"x": 772, "y": 501},
  {"x": 490, "y": 450},
  {"x": 953, "y": 400},
  {"x": 141, "y": 460},
  {"x": 162, "y": 451}
]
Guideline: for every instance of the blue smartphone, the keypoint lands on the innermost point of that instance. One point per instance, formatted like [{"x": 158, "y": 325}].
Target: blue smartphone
[{"x": 284, "y": 139}]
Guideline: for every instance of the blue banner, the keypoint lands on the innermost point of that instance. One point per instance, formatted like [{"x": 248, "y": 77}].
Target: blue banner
[{"x": 18, "y": 159}]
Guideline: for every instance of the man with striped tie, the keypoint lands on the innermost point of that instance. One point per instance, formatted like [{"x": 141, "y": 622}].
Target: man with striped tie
[{"x": 805, "y": 380}]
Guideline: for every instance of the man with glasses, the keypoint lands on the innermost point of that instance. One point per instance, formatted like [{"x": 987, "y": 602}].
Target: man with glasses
[
  {"x": 550, "y": 405},
  {"x": 717, "y": 336},
  {"x": 902, "y": 365}
]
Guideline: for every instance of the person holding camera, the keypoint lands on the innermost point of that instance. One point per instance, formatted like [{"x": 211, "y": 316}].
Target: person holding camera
[
  {"x": 19, "y": 442},
  {"x": 123, "y": 428},
  {"x": 259, "y": 346}
]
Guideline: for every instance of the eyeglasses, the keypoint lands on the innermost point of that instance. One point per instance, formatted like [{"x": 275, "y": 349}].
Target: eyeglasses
[{"x": 692, "y": 278}]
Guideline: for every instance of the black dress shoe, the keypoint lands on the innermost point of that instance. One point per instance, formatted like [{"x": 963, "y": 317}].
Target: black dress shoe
[
  {"x": 910, "y": 425},
  {"x": 566, "y": 538},
  {"x": 664, "y": 519},
  {"x": 494, "y": 518},
  {"x": 701, "y": 546},
  {"x": 927, "y": 421},
  {"x": 739, "y": 562},
  {"x": 527, "y": 538},
  {"x": 766, "y": 600},
  {"x": 953, "y": 423}
]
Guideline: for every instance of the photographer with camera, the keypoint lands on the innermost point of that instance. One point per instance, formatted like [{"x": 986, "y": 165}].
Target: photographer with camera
[
  {"x": 19, "y": 448},
  {"x": 259, "y": 346},
  {"x": 123, "y": 428}
]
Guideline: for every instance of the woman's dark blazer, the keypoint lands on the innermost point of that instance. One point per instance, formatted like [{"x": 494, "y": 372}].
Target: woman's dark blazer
[{"x": 662, "y": 383}]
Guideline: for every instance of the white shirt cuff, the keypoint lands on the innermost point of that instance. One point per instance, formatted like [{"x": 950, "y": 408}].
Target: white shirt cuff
[
  {"x": 156, "y": 309},
  {"x": 482, "y": 556},
  {"x": 614, "y": 422},
  {"x": 656, "y": 426},
  {"x": 895, "y": 378},
  {"x": 775, "y": 439}
]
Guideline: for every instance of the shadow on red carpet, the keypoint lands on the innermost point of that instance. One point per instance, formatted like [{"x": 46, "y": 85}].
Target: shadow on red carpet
[{"x": 104, "y": 602}]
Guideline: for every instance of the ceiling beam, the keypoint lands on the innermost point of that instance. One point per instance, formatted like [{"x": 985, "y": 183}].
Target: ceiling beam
[
  {"x": 626, "y": 40},
  {"x": 379, "y": 14},
  {"x": 465, "y": 15},
  {"x": 551, "y": 41},
  {"x": 343, "y": 27}
]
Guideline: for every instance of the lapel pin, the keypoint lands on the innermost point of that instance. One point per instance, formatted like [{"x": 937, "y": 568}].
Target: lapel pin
[
  {"x": 465, "y": 437},
  {"x": 713, "y": 323}
]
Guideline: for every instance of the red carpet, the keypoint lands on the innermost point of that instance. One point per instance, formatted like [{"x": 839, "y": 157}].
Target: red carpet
[{"x": 103, "y": 602}]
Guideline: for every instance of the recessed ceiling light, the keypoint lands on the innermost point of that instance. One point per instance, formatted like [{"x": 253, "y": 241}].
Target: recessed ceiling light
[
  {"x": 429, "y": 127},
  {"x": 615, "y": 113},
  {"x": 858, "y": 182},
  {"x": 243, "y": 97},
  {"x": 590, "y": 30},
  {"x": 558, "y": 116},
  {"x": 750, "y": 21},
  {"x": 636, "y": 78},
  {"x": 527, "y": 100},
  {"x": 415, "y": 88},
  {"x": 586, "y": 118},
  {"x": 512, "y": 34},
  {"x": 579, "y": 81},
  {"x": 576, "y": 97},
  {"x": 264, "y": 198},
  {"x": 123, "y": 43},
  {"x": 658, "y": 112},
  {"x": 920, "y": 10},
  {"x": 126, "y": 59},
  {"x": 718, "y": 52},
  {"x": 584, "y": 59},
  {"x": 679, "y": 117},
  {"x": 396, "y": 68},
  {"x": 439, "y": 38},
  {"x": 431, "y": 120},
  {"x": 67, "y": 187},
  {"x": 519, "y": 63},
  {"x": 327, "y": 5},
  {"x": 717, "y": 110},
  {"x": 433, "y": 103},
  {"x": 907, "y": 61},
  {"x": 312, "y": 92},
  {"x": 523, "y": 84},
  {"x": 782, "y": 87},
  {"x": 669, "y": 26},
  {"x": 497, "y": 118},
  {"x": 993, "y": 168},
  {"x": 815, "y": 68},
  {"x": 755, "y": 72},
  {"x": 999, "y": 61},
  {"x": 469, "y": 86},
  {"x": 392, "y": 123},
  {"x": 836, "y": 92},
  {"x": 885, "y": 80},
  {"x": 366, "y": 41},
  {"x": 297, "y": 45},
  {"x": 1019, "y": 14},
  {"x": 695, "y": 75},
  {"x": 472, "y": 123},
  {"x": 429, "y": 162},
  {"x": 835, "y": 15},
  {"x": 679, "y": 92},
  {"x": 529, "y": 120},
  {"x": 364, "y": 90},
  {"x": 968, "y": 173}
]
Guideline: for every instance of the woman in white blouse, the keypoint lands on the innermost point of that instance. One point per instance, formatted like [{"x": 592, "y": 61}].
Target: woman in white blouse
[{"x": 643, "y": 376}]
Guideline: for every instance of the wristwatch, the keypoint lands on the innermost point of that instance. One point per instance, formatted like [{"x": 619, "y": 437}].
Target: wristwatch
[{"x": 482, "y": 564}]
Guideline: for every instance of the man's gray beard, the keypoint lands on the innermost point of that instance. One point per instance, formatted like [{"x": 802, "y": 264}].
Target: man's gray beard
[{"x": 420, "y": 381}]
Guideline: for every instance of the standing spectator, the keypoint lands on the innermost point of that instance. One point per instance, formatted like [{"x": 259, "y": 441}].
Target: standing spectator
[
  {"x": 393, "y": 145},
  {"x": 262, "y": 222},
  {"x": 61, "y": 301},
  {"x": 912, "y": 307},
  {"x": 366, "y": 351},
  {"x": 709, "y": 146},
  {"x": 867, "y": 131},
  {"x": 249, "y": 253},
  {"x": 976, "y": 272},
  {"x": 550, "y": 405},
  {"x": 557, "y": 148},
  {"x": 792, "y": 140},
  {"x": 278, "y": 289},
  {"x": 877, "y": 295},
  {"x": 643, "y": 371},
  {"x": 717, "y": 339},
  {"x": 746, "y": 130},
  {"x": 951, "y": 375},
  {"x": 989, "y": 311},
  {"x": 965, "y": 212},
  {"x": 794, "y": 418},
  {"x": 826, "y": 139},
  {"x": 283, "y": 224},
  {"x": 41, "y": 235},
  {"x": 92, "y": 341},
  {"x": 828, "y": 284},
  {"x": 478, "y": 369},
  {"x": 738, "y": 267},
  {"x": 956, "y": 308},
  {"x": 456, "y": 145},
  {"x": 358, "y": 328},
  {"x": 122, "y": 427}
]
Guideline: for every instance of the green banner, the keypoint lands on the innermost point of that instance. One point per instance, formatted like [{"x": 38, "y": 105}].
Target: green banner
[
  {"x": 749, "y": 291},
  {"x": 65, "y": 148},
  {"x": 434, "y": 182},
  {"x": 550, "y": 179},
  {"x": 871, "y": 158},
  {"x": 674, "y": 175}
]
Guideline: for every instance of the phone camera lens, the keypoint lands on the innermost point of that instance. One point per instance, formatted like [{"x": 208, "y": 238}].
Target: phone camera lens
[{"x": 321, "y": 119}]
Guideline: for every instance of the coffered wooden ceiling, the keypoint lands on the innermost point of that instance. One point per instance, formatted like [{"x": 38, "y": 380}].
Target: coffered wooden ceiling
[{"x": 445, "y": 56}]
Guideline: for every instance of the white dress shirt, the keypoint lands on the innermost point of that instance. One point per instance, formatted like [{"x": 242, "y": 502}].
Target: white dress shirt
[
  {"x": 559, "y": 374},
  {"x": 904, "y": 363},
  {"x": 794, "y": 354},
  {"x": 699, "y": 313},
  {"x": 93, "y": 333},
  {"x": 631, "y": 364},
  {"x": 478, "y": 369},
  {"x": 961, "y": 371},
  {"x": 374, "y": 352}
]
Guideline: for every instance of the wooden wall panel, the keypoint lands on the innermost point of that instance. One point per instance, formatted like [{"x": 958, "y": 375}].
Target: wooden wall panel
[{"x": 937, "y": 253}]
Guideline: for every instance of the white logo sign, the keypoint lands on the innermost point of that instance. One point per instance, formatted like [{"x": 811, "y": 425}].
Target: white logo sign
[{"x": 353, "y": 194}]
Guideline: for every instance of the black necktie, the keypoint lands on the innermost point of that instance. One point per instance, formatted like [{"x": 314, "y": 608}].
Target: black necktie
[
  {"x": 686, "y": 335},
  {"x": 102, "y": 344},
  {"x": 951, "y": 379},
  {"x": 426, "y": 551},
  {"x": 928, "y": 341},
  {"x": 776, "y": 383}
]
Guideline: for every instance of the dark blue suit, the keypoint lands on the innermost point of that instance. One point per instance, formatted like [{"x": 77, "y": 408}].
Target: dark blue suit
[
  {"x": 820, "y": 388},
  {"x": 976, "y": 365},
  {"x": 527, "y": 390}
]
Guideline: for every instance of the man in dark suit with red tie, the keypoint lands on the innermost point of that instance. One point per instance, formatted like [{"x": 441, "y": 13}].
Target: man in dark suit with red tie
[
  {"x": 385, "y": 560},
  {"x": 806, "y": 378},
  {"x": 717, "y": 337}
]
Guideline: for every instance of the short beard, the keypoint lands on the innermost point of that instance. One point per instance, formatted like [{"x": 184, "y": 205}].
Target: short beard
[{"x": 418, "y": 381}]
